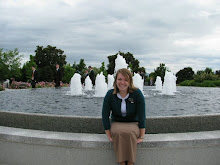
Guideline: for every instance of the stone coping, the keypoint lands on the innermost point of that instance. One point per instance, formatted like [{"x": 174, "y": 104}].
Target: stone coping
[
  {"x": 83, "y": 140},
  {"x": 85, "y": 124}
]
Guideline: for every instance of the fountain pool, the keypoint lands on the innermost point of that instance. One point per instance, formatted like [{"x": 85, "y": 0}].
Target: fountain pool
[{"x": 187, "y": 101}]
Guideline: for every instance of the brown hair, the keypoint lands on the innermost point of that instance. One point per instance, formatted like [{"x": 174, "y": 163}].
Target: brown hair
[{"x": 126, "y": 73}]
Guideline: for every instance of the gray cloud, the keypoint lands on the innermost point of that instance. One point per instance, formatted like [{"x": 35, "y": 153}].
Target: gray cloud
[{"x": 177, "y": 33}]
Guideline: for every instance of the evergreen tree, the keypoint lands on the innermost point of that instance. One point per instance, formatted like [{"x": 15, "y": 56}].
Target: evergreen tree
[{"x": 46, "y": 60}]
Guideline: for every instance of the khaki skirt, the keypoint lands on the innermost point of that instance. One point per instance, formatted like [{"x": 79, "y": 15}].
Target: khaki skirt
[{"x": 124, "y": 137}]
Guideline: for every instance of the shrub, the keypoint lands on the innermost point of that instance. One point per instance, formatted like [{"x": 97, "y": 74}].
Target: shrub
[
  {"x": 187, "y": 83},
  {"x": 217, "y": 83},
  {"x": 205, "y": 76},
  {"x": 19, "y": 85},
  {"x": 207, "y": 83},
  {"x": 1, "y": 87}
]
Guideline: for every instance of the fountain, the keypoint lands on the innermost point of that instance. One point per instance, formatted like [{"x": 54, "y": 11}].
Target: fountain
[
  {"x": 169, "y": 85},
  {"x": 100, "y": 86},
  {"x": 138, "y": 81},
  {"x": 174, "y": 83},
  {"x": 158, "y": 83},
  {"x": 75, "y": 85},
  {"x": 120, "y": 62},
  {"x": 110, "y": 81},
  {"x": 88, "y": 84}
]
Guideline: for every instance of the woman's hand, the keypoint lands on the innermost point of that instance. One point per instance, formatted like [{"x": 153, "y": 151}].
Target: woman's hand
[
  {"x": 110, "y": 139},
  {"x": 139, "y": 140},
  {"x": 108, "y": 133}
]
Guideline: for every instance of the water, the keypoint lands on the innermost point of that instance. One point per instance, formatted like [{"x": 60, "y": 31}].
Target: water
[
  {"x": 186, "y": 101},
  {"x": 158, "y": 83},
  {"x": 75, "y": 85},
  {"x": 120, "y": 63},
  {"x": 169, "y": 85},
  {"x": 138, "y": 81},
  {"x": 88, "y": 83},
  {"x": 100, "y": 86},
  {"x": 110, "y": 81}
]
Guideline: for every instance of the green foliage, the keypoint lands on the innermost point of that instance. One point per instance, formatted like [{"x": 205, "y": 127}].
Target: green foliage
[
  {"x": 130, "y": 60},
  {"x": 111, "y": 65},
  {"x": 159, "y": 71},
  {"x": 208, "y": 70},
  {"x": 147, "y": 80},
  {"x": 96, "y": 70},
  {"x": 80, "y": 68},
  {"x": 68, "y": 73},
  {"x": 187, "y": 83},
  {"x": 202, "y": 76},
  {"x": 10, "y": 64},
  {"x": 217, "y": 83},
  {"x": 46, "y": 60},
  {"x": 217, "y": 72},
  {"x": 206, "y": 83},
  {"x": 103, "y": 70},
  {"x": 1, "y": 87},
  {"x": 26, "y": 71},
  {"x": 185, "y": 74}
]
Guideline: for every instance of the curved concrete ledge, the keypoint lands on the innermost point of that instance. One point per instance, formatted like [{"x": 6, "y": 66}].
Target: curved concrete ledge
[
  {"x": 34, "y": 147},
  {"x": 76, "y": 124}
]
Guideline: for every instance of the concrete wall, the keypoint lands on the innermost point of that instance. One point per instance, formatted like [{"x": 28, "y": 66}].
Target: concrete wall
[
  {"x": 77, "y": 124},
  {"x": 33, "y": 147}
]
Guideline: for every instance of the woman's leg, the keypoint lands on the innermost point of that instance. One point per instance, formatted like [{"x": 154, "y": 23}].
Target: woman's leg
[
  {"x": 130, "y": 163},
  {"x": 124, "y": 137},
  {"x": 122, "y": 163}
]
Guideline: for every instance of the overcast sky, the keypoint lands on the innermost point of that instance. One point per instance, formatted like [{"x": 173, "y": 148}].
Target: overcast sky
[{"x": 178, "y": 33}]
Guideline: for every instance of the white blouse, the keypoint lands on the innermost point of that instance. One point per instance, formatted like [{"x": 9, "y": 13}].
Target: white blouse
[{"x": 123, "y": 104}]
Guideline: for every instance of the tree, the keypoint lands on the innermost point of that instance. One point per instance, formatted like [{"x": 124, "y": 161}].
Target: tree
[
  {"x": 26, "y": 71},
  {"x": 10, "y": 62},
  {"x": 111, "y": 65},
  {"x": 208, "y": 70},
  {"x": 129, "y": 58},
  {"x": 207, "y": 74},
  {"x": 159, "y": 71},
  {"x": 80, "y": 68},
  {"x": 68, "y": 73},
  {"x": 185, "y": 74},
  {"x": 217, "y": 72},
  {"x": 46, "y": 60},
  {"x": 103, "y": 70}
]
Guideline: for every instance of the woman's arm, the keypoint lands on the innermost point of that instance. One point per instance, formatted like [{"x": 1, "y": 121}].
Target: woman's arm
[
  {"x": 141, "y": 137},
  {"x": 106, "y": 109},
  {"x": 141, "y": 109},
  {"x": 108, "y": 133},
  {"x": 141, "y": 116}
]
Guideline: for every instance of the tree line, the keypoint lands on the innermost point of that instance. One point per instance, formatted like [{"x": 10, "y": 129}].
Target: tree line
[{"x": 46, "y": 58}]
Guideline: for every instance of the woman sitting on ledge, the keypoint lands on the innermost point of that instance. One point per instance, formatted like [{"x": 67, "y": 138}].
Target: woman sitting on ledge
[{"x": 126, "y": 105}]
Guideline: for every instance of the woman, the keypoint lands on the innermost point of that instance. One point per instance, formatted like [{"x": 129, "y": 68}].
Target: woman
[{"x": 128, "y": 120}]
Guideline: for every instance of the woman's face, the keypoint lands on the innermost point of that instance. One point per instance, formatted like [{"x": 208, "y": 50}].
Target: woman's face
[{"x": 122, "y": 82}]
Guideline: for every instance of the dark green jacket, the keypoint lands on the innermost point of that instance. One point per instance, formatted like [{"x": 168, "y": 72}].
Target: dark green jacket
[{"x": 135, "y": 106}]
